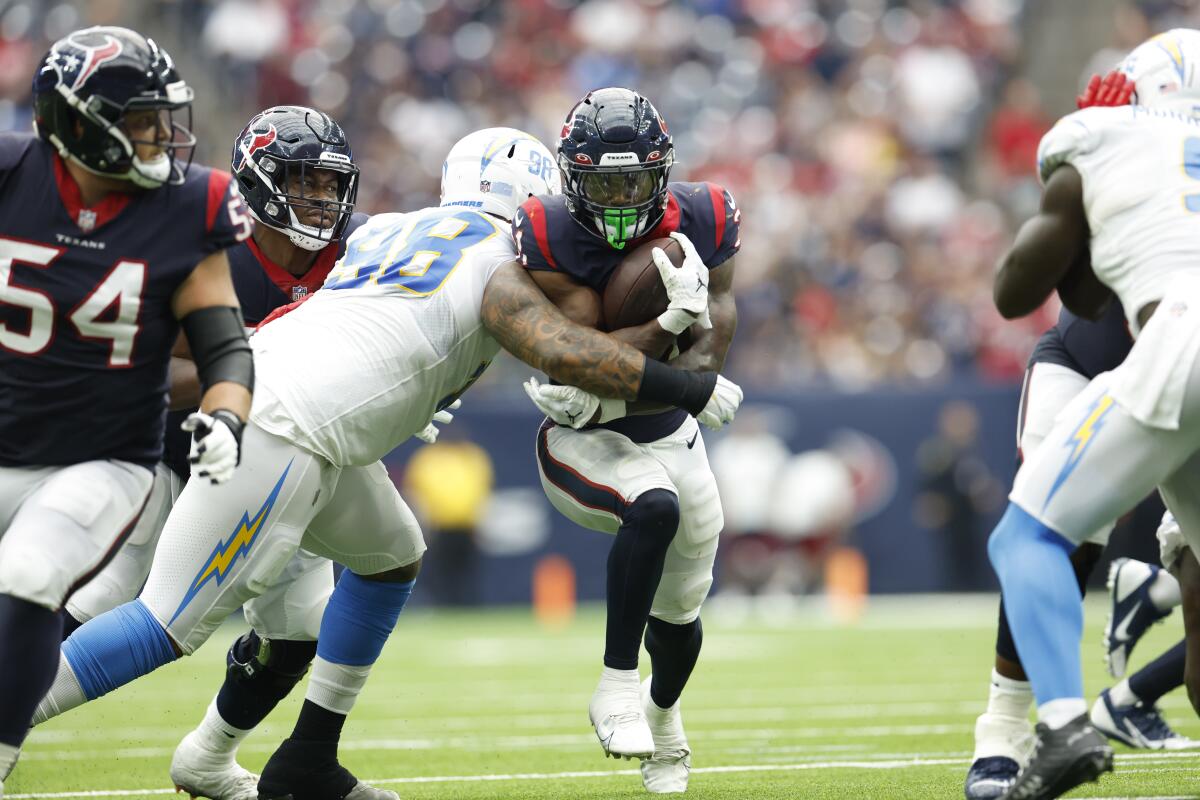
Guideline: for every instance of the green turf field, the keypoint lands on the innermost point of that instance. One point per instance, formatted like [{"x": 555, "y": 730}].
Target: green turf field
[{"x": 487, "y": 705}]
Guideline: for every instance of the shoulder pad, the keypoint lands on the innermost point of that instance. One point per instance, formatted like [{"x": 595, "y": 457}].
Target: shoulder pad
[
  {"x": 227, "y": 221},
  {"x": 531, "y": 231},
  {"x": 13, "y": 148},
  {"x": 1076, "y": 135}
]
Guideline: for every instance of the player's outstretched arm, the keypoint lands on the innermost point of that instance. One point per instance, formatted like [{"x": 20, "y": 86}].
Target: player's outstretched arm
[
  {"x": 528, "y": 325},
  {"x": 1045, "y": 248}
]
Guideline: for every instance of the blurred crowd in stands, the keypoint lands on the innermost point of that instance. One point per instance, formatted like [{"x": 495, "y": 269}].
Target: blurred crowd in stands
[{"x": 881, "y": 151}]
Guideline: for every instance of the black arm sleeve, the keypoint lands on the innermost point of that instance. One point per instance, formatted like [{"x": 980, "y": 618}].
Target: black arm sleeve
[
  {"x": 675, "y": 387},
  {"x": 217, "y": 339}
]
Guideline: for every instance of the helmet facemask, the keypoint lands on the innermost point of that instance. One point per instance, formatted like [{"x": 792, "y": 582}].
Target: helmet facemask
[
  {"x": 96, "y": 135},
  {"x": 308, "y": 200},
  {"x": 622, "y": 202}
]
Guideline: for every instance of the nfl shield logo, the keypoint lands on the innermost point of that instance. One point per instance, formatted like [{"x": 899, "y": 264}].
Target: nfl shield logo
[
  {"x": 87, "y": 220},
  {"x": 299, "y": 293}
]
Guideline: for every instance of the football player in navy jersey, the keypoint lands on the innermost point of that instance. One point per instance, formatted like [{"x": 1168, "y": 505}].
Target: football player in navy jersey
[
  {"x": 1065, "y": 359},
  {"x": 639, "y": 473},
  {"x": 295, "y": 170},
  {"x": 108, "y": 245}
]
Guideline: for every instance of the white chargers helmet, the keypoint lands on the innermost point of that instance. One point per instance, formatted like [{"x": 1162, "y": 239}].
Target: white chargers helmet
[
  {"x": 495, "y": 170},
  {"x": 1165, "y": 71}
]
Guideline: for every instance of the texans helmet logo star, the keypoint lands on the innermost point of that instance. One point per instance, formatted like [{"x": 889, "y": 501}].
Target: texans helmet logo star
[
  {"x": 94, "y": 57},
  {"x": 261, "y": 140}
]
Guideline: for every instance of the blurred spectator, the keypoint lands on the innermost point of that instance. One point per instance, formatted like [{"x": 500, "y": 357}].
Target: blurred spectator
[
  {"x": 449, "y": 484},
  {"x": 958, "y": 494}
]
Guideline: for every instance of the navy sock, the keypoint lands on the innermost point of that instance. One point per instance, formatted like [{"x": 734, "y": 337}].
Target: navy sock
[
  {"x": 259, "y": 675},
  {"x": 635, "y": 565},
  {"x": 1083, "y": 561},
  {"x": 1042, "y": 603},
  {"x": 305, "y": 767},
  {"x": 30, "y": 636},
  {"x": 673, "y": 652},
  {"x": 1159, "y": 676}
]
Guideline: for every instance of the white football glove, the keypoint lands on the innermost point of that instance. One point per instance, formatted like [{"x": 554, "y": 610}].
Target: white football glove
[
  {"x": 687, "y": 288},
  {"x": 722, "y": 406},
  {"x": 430, "y": 432},
  {"x": 570, "y": 405},
  {"x": 216, "y": 444}
]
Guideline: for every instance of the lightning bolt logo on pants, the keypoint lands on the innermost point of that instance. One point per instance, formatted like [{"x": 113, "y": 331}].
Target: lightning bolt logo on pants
[
  {"x": 226, "y": 552},
  {"x": 1083, "y": 436}
]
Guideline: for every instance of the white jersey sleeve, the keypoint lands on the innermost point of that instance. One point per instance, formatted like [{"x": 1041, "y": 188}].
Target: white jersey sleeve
[
  {"x": 1072, "y": 137},
  {"x": 394, "y": 335},
  {"x": 1141, "y": 192}
]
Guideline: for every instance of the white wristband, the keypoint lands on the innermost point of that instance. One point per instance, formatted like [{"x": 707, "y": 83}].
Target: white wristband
[
  {"x": 611, "y": 409},
  {"x": 675, "y": 320}
]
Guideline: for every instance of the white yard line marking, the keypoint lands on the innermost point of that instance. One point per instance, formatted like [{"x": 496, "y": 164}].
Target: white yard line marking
[{"x": 865, "y": 763}]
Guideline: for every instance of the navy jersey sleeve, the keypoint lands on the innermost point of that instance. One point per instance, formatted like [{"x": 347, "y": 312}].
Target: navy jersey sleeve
[
  {"x": 709, "y": 217},
  {"x": 728, "y": 219},
  {"x": 227, "y": 219},
  {"x": 531, "y": 233}
]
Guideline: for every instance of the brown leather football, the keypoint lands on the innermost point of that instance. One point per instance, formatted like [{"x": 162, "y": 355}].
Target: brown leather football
[{"x": 635, "y": 293}]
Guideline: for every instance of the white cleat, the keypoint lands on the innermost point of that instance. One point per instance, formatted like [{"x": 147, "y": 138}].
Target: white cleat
[
  {"x": 616, "y": 714},
  {"x": 202, "y": 772},
  {"x": 668, "y": 771}
]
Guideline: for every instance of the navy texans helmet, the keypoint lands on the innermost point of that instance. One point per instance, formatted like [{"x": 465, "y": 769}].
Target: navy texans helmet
[
  {"x": 86, "y": 87},
  {"x": 295, "y": 170},
  {"x": 615, "y": 155}
]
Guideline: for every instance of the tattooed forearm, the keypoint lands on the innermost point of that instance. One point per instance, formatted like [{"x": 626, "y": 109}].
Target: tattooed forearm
[{"x": 528, "y": 325}]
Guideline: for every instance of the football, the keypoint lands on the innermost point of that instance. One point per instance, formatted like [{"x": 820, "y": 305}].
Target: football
[
  {"x": 1082, "y": 292},
  {"x": 635, "y": 293}
]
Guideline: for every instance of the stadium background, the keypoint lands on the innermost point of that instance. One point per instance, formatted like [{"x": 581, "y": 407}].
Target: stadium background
[{"x": 881, "y": 152}]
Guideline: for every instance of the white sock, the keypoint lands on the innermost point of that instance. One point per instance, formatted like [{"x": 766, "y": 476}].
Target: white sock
[
  {"x": 335, "y": 687},
  {"x": 620, "y": 677},
  {"x": 1057, "y": 713},
  {"x": 1008, "y": 697},
  {"x": 8, "y": 759},
  {"x": 1164, "y": 592},
  {"x": 65, "y": 693},
  {"x": 1122, "y": 695},
  {"x": 218, "y": 735}
]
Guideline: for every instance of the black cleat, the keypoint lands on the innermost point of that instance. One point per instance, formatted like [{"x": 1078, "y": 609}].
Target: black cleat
[
  {"x": 301, "y": 770},
  {"x": 1064, "y": 758}
]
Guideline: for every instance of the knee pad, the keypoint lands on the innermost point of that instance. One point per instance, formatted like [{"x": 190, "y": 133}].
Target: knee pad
[
  {"x": 273, "y": 665},
  {"x": 655, "y": 512},
  {"x": 33, "y": 575}
]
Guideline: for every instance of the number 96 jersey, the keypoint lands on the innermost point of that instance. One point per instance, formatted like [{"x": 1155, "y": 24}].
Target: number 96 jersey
[
  {"x": 1141, "y": 192},
  {"x": 394, "y": 335}
]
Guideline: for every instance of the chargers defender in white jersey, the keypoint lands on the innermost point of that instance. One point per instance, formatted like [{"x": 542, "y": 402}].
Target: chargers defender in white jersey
[
  {"x": 404, "y": 324},
  {"x": 1123, "y": 185}
]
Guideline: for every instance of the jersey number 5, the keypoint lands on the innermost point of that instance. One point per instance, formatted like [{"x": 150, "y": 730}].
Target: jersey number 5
[{"x": 121, "y": 287}]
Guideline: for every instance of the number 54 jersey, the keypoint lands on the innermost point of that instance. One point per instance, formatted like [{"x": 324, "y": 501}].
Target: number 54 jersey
[
  {"x": 394, "y": 335},
  {"x": 86, "y": 325}
]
